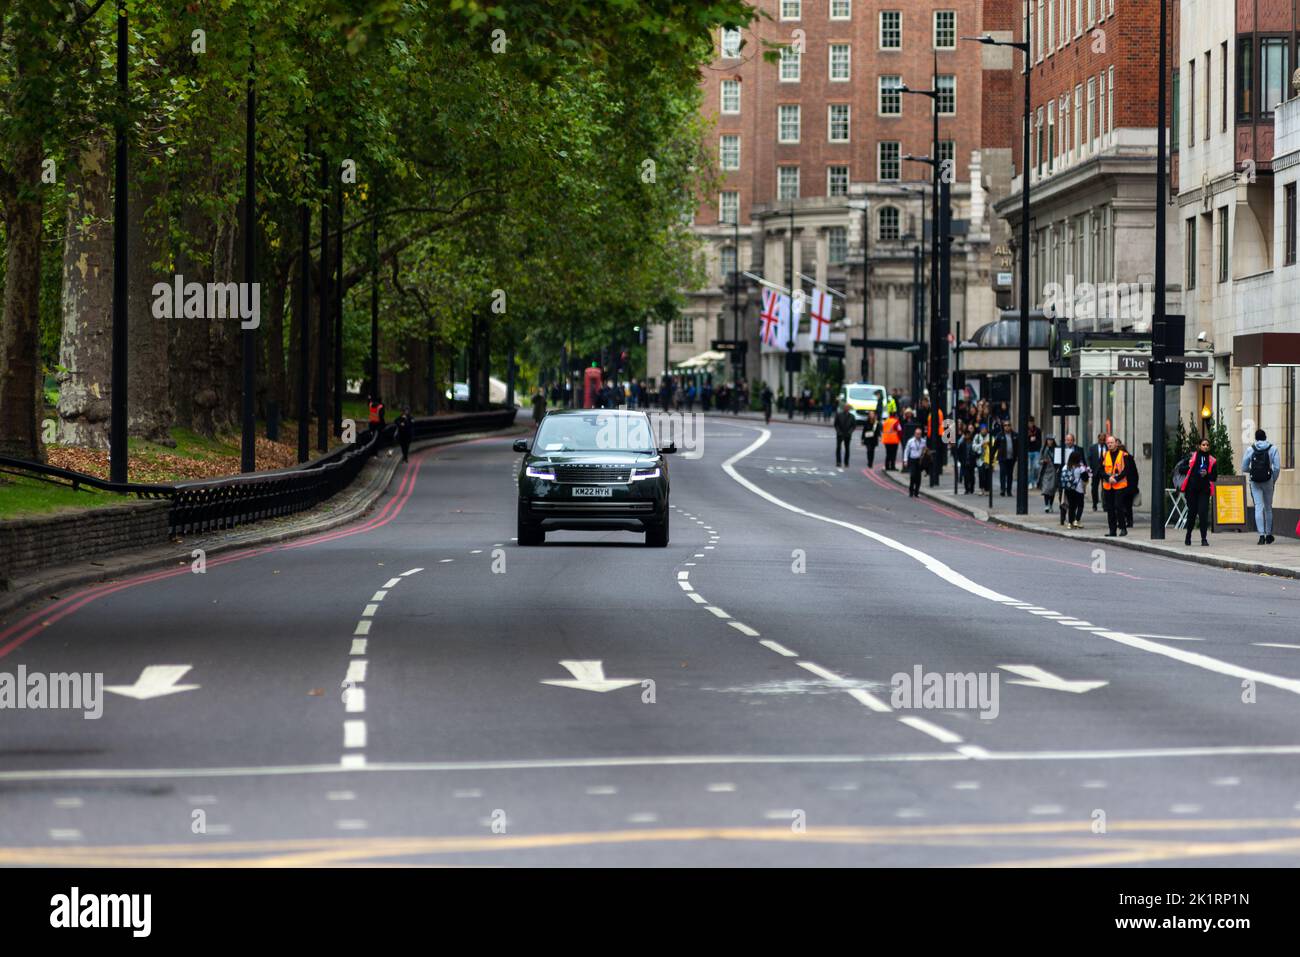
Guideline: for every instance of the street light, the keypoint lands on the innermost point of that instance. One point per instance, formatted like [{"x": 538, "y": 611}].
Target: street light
[
  {"x": 936, "y": 337},
  {"x": 792, "y": 331},
  {"x": 1022, "y": 485},
  {"x": 737, "y": 357},
  {"x": 918, "y": 279}
]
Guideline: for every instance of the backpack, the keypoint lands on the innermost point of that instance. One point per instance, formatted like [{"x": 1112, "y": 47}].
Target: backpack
[{"x": 1261, "y": 465}]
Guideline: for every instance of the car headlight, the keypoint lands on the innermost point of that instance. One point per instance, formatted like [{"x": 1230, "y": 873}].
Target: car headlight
[
  {"x": 650, "y": 473},
  {"x": 546, "y": 472}
]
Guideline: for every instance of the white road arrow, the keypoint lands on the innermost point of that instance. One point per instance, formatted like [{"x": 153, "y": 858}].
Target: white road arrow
[
  {"x": 154, "y": 682},
  {"x": 1038, "y": 678},
  {"x": 590, "y": 676}
]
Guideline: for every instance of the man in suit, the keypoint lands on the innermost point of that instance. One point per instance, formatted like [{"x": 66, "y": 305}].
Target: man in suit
[
  {"x": 1008, "y": 447},
  {"x": 1095, "y": 452}
]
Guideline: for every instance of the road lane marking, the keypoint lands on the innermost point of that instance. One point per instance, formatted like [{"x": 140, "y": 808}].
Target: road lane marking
[
  {"x": 467, "y": 793},
  {"x": 779, "y": 648},
  {"x": 943, "y": 571},
  {"x": 363, "y": 628},
  {"x": 68, "y": 802},
  {"x": 1045, "y": 809},
  {"x": 354, "y": 734},
  {"x": 392, "y": 582},
  {"x": 351, "y": 824},
  {"x": 642, "y": 817},
  {"x": 356, "y": 700},
  {"x": 358, "y": 646},
  {"x": 870, "y": 700},
  {"x": 1273, "y": 644},
  {"x": 714, "y": 610},
  {"x": 966, "y": 786},
  {"x": 444, "y": 561},
  {"x": 602, "y": 789},
  {"x": 743, "y": 629},
  {"x": 352, "y": 762},
  {"x": 411, "y": 572},
  {"x": 340, "y": 795},
  {"x": 721, "y": 787},
  {"x": 378, "y": 596},
  {"x": 356, "y": 671},
  {"x": 1165, "y": 637},
  {"x": 698, "y": 598},
  {"x": 682, "y": 576},
  {"x": 686, "y": 586},
  {"x": 64, "y": 834},
  {"x": 369, "y": 611},
  {"x": 930, "y": 728}
]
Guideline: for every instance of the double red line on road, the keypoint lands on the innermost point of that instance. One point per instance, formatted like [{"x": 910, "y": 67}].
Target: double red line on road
[
  {"x": 23, "y": 631},
  {"x": 894, "y": 486}
]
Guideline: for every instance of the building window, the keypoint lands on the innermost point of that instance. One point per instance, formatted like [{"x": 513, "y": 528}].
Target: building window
[
  {"x": 837, "y": 122},
  {"x": 1223, "y": 244},
  {"x": 947, "y": 152},
  {"x": 791, "y": 63},
  {"x": 729, "y": 152},
  {"x": 1039, "y": 152},
  {"x": 891, "y": 101},
  {"x": 1175, "y": 120},
  {"x": 945, "y": 29},
  {"x": 1189, "y": 248},
  {"x": 730, "y": 96},
  {"x": 839, "y": 62},
  {"x": 837, "y": 181},
  {"x": 1289, "y": 412},
  {"x": 1206, "y": 124},
  {"x": 1191, "y": 102},
  {"x": 1078, "y": 17},
  {"x": 684, "y": 329},
  {"x": 1223, "y": 88},
  {"x": 1078, "y": 141},
  {"x": 730, "y": 43},
  {"x": 728, "y": 261},
  {"x": 837, "y": 245},
  {"x": 887, "y": 161},
  {"x": 791, "y": 9},
  {"x": 1092, "y": 12},
  {"x": 841, "y": 9},
  {"x": 788, "y": 122},
  {"x": 946, "y": 86},
  {"x": 1273, "y": 57},
  {"x": 729, "y": 207},
  {"x": 1038, "y": 31},
  {"x": 891, "y": 30},
  {"x": 888, "y": 231},
  {"x": 1245, "y": 78},
  {"x": 1289, "y": 227},
  {"x": 787, "y": 182},
  {"x": 1108, "y": 94}
]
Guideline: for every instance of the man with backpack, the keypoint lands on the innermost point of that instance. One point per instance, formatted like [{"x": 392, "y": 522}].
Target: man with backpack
[{"x": 1262, "y": 464}]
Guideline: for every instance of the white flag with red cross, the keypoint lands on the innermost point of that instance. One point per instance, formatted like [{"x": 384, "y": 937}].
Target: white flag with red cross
[{"x": 821, "y": 315}]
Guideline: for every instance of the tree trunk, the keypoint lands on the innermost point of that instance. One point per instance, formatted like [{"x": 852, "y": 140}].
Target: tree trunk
[
  {"x": 86, "y": 340},
  {"x": 149, "y": 403},
  {"x": 20, "y": 367}
]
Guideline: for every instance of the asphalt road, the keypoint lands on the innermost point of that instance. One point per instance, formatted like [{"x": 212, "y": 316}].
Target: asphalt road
[{"x": 376, "y": 694}]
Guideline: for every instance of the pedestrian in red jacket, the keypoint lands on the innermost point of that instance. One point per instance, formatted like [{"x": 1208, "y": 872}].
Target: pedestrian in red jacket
[{"x": 1198, "y": 486}]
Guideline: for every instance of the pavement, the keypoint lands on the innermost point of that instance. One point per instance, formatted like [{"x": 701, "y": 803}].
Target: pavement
[{"x": 784, "y": 685}]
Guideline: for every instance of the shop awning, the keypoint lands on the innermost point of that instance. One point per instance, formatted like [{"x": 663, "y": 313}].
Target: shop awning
[
  {"x": 1259, "y": 349},
  {"x": 703, "y": 359}
]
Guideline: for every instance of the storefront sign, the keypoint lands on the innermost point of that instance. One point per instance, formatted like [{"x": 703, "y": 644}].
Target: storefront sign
[{"x": 1230, "y": 502}]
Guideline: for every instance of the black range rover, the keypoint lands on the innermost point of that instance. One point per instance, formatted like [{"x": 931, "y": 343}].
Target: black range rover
[{"x": 593, "y": 469}]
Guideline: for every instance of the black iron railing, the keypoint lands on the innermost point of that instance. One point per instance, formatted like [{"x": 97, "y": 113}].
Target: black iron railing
[{"x": 211, "y": 504}]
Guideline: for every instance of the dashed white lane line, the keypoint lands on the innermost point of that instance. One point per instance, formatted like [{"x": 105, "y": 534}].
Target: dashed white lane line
[
  {"x": 909, "y": 812},
  {"x": 845, "y": 786},
  {"x": 476, "y": 551},
  {"x": 1274, "y": 644},
  {"x": 467, "y": 793},
  {"x": 686, "y": 586},
  {"x": 779, "y": 648},
  {"x": 359, "y": 646},
  {"x": 379, "y": 595},
  {"x": 697, "y": 598},
  {"x": 602, "y": 789},
  {"x": 720, "y": 787},
  {"x": 369, "y": 611},
  {"x": 1045, "y": 809},
  {"x": 743, "y": 628},
  {"x": 698, "y": 555},
  {"x": 1184, "y": 809},
  {"x": 218, "y": 830},
  {"x": 363, "y": 628},
  {"x": 68, "y": 802},
  {"x": 930, "y": 728},
  {"x": 391, "y": 582},
  {"x": 1226, "y": 782},
  {"x": 682, "y": 576},
  {"x": 444, "y": 561},
  {"x": 780, "y": 814},
  {"x": 356, "y": 701},
  {"x": 642, "y": 817},
  {"x": 356, "y": 671},
  {"x": 411, "y": 571},
  {"x": 690, "y": 564},
  {"x": 202, "y": 799},
  {"x": 351, "y": 824},
  {"x": 707, "y": 547},
  {"x": 353, "y": 761},
  {"x": 340, "y": 795},
  {"x": 354, "y": 734},
  {"x": 952, "y": 577},
  {"x": 714, "y": 610},
  {"x": 966, "y": 786},
  {"x": 64, "y": 834}
]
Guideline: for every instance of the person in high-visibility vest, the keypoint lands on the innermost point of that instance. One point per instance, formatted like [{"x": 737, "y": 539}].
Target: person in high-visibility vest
[
  {"x": 1117, "y": 469},
  {"x": 376, "y": 414},
  {"x": 891, "y": 436}
]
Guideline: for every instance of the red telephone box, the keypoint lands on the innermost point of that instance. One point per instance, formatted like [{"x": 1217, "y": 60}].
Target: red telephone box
[{"x": 591, "y": 383}]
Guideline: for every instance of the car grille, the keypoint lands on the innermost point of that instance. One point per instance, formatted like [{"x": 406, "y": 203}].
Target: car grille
[{"x": 589, "y": 474}]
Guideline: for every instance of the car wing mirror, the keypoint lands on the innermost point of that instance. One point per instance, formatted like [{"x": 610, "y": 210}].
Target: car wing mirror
[
  {"x": 668, "y": 449},
  {"x": 521, "y": 445}
]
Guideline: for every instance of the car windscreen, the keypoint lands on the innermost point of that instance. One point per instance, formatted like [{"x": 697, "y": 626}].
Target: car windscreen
[
  {"x": 594, "y": 432},
  {"x": 862, "y": 393}
]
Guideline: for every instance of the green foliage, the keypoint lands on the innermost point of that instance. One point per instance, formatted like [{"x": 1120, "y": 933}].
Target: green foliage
[{"x": 1186, "y": 438}]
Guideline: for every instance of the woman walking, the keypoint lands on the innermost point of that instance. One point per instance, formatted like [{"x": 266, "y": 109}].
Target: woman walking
[
  {"x": 1074, "y": 479},
  {"x": 1198, "y": 486},
  {"x": 1047, "y": 475},
  {"x": 871, "y": 437}
]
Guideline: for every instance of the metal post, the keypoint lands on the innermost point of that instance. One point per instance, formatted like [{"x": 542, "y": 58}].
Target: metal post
[
  {"x": 374, "y": 306},
  {"x": 939, "y": 334},
  {"x": 338, "y": 309},
  {"x": 1158, "y": 352},
  {"x": 323, "y": 345},
  {"x": 793, "y": 332},
  {"x": 248, "y": 443},
  {"x": 117, "y": 453},
  {"x": 738, "y": 357},
  {"x": 304, "y": 324},
  {"x": 1022, "y": 466}
]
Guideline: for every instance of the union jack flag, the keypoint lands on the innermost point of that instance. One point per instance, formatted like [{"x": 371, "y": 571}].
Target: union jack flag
[{"x": 771, "y": 318}]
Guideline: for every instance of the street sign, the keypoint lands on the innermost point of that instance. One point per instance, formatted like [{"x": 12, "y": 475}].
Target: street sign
[
  {"x": 793, "y": 362},
  {"x": 736, "y": 346},
  {"x": 1230, "y": 502},
  {"x": 1133, "y": 364},
  {"x": 832, "y": 350},
  {"x": 1065, "y": 397}
]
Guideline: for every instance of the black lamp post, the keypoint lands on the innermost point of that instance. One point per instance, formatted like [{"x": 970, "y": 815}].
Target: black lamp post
[
  {"x": 792, "y": 331},
  {"x": 1159, "y": 354},
  {"x": 117, "y": 449},
  {"x": 1022, "y": 485},
  {"x": 936, "y": 319},
  {"x": 737, "y": 357}
]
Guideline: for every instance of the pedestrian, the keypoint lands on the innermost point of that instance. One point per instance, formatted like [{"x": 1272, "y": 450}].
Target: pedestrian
[
  {"x": 1062, "y": 457},
  {"x": 1008, "y": 447},
  {"x": 982, "y": 446},
  {"x": 914, "y": 456},
  {"x": 891, "y": 436},
  {"x": 1198, "y": 488},
  {"x": 1095, "y": 453},
  {"x": 1262, "y": 464},
  {"x": 767, "y": 404},
  {"x": 1074, "y": 478},
  {"x": 871, "y": 438},
  {"x": 845, "y": 423},
  {"x": 1033, "y": 448},
  {"x": 539, "y": 408},
  {"x": 1047, "y": 477},
  {"x": 1118, "y": 468},
  {"x": 376, "y": 413},
  {"x": 405, "y": 431},
  {"x": 967, "y": 457}
]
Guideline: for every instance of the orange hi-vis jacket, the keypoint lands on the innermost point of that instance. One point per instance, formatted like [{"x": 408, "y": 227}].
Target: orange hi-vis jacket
[
  {"x": 375, "y": 408},
  {"x": 1112, "y": 463},
  {"x": 890, "y": 435},
  {"x": 927, "y": 423}
]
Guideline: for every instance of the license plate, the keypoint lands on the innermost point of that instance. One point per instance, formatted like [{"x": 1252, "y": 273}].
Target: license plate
[{"x": 592, "y": 491}]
